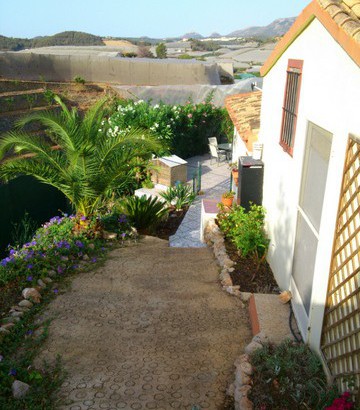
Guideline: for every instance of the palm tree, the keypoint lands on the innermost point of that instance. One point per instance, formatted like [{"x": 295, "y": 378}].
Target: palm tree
[{"x": 87, "y": 164}]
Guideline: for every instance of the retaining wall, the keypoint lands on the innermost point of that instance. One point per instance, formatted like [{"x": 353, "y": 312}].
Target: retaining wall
[{"x": 136, "y": 71}]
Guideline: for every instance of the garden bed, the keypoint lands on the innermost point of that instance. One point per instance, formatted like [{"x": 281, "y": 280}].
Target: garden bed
[
  {"x": 169, "y": 227},
  {"x": 245, "y": 274}
]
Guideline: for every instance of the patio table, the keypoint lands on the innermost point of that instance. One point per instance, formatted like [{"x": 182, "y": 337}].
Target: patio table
[{"x": 227, "y": 147}]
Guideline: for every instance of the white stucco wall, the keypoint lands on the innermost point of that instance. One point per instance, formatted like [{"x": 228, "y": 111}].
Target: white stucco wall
[
  {"x": 329, "y": 97},
  {"x": 239, "y": 147}
]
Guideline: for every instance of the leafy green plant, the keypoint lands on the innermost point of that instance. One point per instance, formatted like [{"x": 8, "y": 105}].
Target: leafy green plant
[
  {"x": 147, "y": 183},
  {"x": 246, "y": 230},
  {"x": 79, "y": 80},
  {"x": 49, "y": 96},
  {"x": 143, "y": 213},
  {"x": 129, "y": 54},
  {"x": 178, "y": 196},
  {"x": 229, "y": 194},
  {"x": 90, "y": 165},
  {"x": 9, "y": 101},
  {"x": 23, "y": 231},
  {"x": 288, "y": 376},
  {"x": 115, "y": 222},
  {"x": 31, "y": 99},
  {"x": 184, "y": 57},
  {"x": 161, "y": 51}
]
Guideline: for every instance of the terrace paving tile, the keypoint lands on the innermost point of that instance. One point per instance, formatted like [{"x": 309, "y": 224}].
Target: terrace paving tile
[
  {"x": 150, "y": 329},
  {"x": 215, "y": 181}
]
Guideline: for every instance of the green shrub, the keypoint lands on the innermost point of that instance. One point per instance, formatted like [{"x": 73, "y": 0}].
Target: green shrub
[
  {"x": 31, "y": 99},
  {"x": 161, "y": 51},
  {"x": 49, "y": 96},
  {"x": 184, "y": 128},
  {"x": 115, "y": 222},
  {"x": 79, "y": 80},
  {"x": 288, "y": 376},
  {"x": 185, "y": 57},
  {"x": 246, "y": 230},
  {"x": 179, "y": 196},
  {"x": 23, "y": 231},
  {"x": 130, "y": 54},
  {"x": 143, "y": 213}
]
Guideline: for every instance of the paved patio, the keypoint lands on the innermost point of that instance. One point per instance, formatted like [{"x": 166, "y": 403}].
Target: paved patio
[
  {"x": 214, "y": 182},
  {"x": 151, "y": 329}
]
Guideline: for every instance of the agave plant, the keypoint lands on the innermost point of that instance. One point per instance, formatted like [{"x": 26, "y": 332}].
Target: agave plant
[
  {"x": 143, "y": 212},
  {"x": 178, "y": 196},
  {"x": 87, "y": 165}
]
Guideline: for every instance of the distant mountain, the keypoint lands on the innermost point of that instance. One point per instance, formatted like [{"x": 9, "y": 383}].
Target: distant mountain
[
  {"x": 215, "y": 35},
  {"x": 277, "y": 28},
  {"x": 194, "y": 35},
  {"x": 66, "y": 38}
]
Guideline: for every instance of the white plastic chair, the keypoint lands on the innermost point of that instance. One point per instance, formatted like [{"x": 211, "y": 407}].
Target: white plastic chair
[
  {"x": 213, "y": 141},
  {"x": 216, "y": 153}
]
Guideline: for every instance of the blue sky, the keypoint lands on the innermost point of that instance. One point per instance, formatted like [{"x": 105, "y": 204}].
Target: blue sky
[{"x": 135, "y": 18}]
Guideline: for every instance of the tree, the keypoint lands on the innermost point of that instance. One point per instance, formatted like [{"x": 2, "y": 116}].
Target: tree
[
  {"x": 78, "y": 157},
  {"x": 161, "y": 51},
  {"x": 144, "y": 51}
]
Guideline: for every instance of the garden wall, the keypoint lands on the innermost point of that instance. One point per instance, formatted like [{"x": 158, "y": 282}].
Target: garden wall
[
  {"x": 31, "y": 66},
  {"x": 25, "y": 194}
]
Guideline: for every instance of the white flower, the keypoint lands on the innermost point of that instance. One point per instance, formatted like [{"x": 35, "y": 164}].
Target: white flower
[{"x": 156, "y": 106}]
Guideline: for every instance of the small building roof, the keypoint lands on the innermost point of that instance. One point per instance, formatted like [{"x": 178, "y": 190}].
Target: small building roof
[
  {"x": 172, "y": 161},
  {"x": 244, "y": 111},
  {"x": 341, "y": 18}
]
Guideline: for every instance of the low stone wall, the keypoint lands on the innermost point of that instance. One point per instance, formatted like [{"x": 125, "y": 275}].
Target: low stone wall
[
  {"x": 94, "y": 68},
  {"x": 241, "y": 387}
]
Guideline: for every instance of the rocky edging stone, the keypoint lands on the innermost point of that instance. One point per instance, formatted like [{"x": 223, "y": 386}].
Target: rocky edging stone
[
  {"x": 215, "y": 240},
  {"x": 31, "y": 296},
  {"x": 241, "y": 387}
]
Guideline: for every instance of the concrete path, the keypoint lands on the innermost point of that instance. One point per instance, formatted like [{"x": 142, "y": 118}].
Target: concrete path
[
  {"x": 214, "y": 182},
  {"x": 151, "y": 329}
]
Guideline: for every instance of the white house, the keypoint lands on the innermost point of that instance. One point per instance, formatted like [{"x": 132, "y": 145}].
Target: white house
[{"x": 310, "y": 128}]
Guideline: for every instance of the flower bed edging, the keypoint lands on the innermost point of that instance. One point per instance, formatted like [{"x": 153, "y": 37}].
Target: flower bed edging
[
  {"x": 241, "y": 387},
  {"x": 215, "y": 240}
]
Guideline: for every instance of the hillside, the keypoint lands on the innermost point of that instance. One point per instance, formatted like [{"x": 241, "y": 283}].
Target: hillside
[
  {"x": 277, "y": 28},
  {"x": 66, "y": 38}
]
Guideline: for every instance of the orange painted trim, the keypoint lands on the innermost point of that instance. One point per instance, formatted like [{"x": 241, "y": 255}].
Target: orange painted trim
[
  {"x": 312, "y": 11},
  {"x": 254, "y": 319}
]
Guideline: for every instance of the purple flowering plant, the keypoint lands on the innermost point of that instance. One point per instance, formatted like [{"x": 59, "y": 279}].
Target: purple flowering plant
[{"x": 55, "y": 246}]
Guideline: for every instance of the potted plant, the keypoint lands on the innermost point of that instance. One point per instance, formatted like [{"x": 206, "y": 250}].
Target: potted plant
[
  {"x": 227, "y": 198},
  {"x": 235, "y": 172}
]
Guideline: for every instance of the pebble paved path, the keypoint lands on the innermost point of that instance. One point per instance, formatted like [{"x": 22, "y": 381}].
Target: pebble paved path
[{"x": 151, "y": 329}]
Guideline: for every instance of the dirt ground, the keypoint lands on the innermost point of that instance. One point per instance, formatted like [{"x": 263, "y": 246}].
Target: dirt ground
[{"x": 249, "y": 275}]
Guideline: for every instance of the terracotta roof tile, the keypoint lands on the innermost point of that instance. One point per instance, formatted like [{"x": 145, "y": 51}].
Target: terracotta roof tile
[
  {"x": 244, "y": 111},
  {"x": 345, "y": 13}
]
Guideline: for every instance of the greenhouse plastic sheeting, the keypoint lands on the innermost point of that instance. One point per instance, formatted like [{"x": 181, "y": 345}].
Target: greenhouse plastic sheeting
[{"x": 180, "y": 94}]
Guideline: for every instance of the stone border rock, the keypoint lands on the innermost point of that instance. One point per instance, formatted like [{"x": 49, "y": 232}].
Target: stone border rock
[
  {"x": 215, "y": 240},
  {"x": 30, "y": 297},
  {"x": 243, "y": 381}
]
